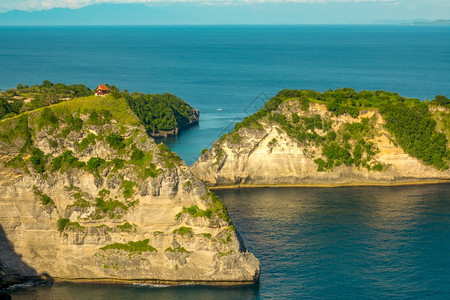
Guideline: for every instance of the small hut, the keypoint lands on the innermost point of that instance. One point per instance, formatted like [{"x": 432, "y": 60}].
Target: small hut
[{"x": 101, "y": 90}]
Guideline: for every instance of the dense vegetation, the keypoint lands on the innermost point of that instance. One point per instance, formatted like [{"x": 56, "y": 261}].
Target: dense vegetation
[
  {"x": 133, "y": 247},
  {"x": 25, "y": 98},
  {"x": 157, "y": 112},
  {"x": 408, "y": 120},
  {"x": 415, "y": 130},
  {"x": 160, "y": 112}
]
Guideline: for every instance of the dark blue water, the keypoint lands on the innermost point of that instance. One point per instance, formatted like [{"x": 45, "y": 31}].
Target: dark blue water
[
  {"x": 332, "y": 243},
  {"x": 373, "y": 242},
  {"x": 361, "y": 243},
  {"x": 227, "y": 67}
]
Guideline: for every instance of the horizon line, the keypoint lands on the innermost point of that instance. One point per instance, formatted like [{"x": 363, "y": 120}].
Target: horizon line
[{"x": 224, "y": 25}]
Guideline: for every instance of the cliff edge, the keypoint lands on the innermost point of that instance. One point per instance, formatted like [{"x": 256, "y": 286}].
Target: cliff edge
[{"x": 334, "y": 138}]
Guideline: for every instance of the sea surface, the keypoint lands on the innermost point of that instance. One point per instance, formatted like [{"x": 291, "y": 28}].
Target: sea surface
[
  {"x": 334, "y": 243},
  {"x": 228, "y": 72}
]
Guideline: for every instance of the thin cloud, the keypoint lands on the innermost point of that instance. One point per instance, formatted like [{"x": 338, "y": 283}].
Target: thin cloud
[{"x": 35, "y": 5}]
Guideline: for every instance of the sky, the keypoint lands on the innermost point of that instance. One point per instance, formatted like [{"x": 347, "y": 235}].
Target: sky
[{"x": 221, "y": 12}]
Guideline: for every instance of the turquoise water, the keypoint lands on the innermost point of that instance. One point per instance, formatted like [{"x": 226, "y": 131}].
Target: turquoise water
[
  {"x": 353, "y": 242},
  {"x": 228, "y": 67},
  {"x": 372, "y": 242}
]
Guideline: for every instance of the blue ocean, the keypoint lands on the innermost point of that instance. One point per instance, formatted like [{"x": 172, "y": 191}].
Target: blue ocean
[{"x": 372, "y": 242}]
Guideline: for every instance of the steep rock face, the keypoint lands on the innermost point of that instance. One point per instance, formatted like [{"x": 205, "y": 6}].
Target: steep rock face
[
  {"x": 86, "y": 194},
  {"x": 265, "y": 154}
]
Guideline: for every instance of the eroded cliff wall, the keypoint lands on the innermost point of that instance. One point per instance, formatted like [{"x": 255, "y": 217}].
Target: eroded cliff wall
[
  {"x": 85, "y": 193},
  {"x": 274, "y": 151}
]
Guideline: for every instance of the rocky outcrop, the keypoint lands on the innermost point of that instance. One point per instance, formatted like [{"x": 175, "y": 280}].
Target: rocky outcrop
[
  {"x": 86, "y": 194},
  {"x": 264, "y": 153}
]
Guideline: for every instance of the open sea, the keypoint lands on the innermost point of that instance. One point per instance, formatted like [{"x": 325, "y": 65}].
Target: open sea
[{"x": 332, "y": 243}]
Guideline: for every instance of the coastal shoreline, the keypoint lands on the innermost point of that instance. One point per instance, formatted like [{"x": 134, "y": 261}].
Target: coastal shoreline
[
  {"x": 112, "y": 281},
  {"x": 251, "y": 186}
]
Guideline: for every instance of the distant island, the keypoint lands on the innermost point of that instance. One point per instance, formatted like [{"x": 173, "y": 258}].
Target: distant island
[
  {"x": 87, "y": 195},
  {"x": 341, "y": 137},
  {"x": 427, "y": 22},
  {"x": 162, "y": 115},
  {"x": 418, "y": 22}
]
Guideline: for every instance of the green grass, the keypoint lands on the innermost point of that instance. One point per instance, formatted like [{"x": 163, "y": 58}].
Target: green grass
[
  {"x": 150, "y": 171},
  {"x": 115, "y": 141},
  {"x": 207, "y": 235},
  {"x": 79, "y": 201},
  {"x": 109, "y": 205},
  {"x": 142, "y": 160},
  {"x": 183, "y": 230},
  {"x": 139, "y": 157},
  {"x": 61, "y": 223},
  {"x": 218, "y": 208},
  {"x": 219, "y": 153},
  {"x": 110, "y": 208},
  {"x": 118, "y": 164},
  {"x": 127, "y": 187},
  {"x": 93, "y": 165},
  {"x": 235, "y": 138},
  {"x": 45, "y": 199},
  {"x": 228, "y": 239},
  {"x": 126, "y": 227},
  {"x": 226, "y": 253},
  {"x": 170, "y": 158},
  {"x": 64, "y": 223},
  {"x": 272, "y": 142},
  {"x": 47, "y": 118},
  {"x": 66, "y": 161},
  {"x": 17, "y": 162},
  {"x": 73, "y": 124},
  {"x": 195, "y": 212},
  {"x": 133, "y": 247},
  {"x": 91, "y": 139},
  {"x": 178, "y": 250},
  {"x": 38, "y": 160},
  {"x": 103, "y": 193},
  {"x": 74, "y": 225},
  {"x": 117, "y": 107}
]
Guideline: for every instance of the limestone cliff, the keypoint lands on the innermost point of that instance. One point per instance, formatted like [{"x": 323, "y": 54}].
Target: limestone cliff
[
  {"x": 86, "y": 194},
  {"x": 301, "y": 142}
]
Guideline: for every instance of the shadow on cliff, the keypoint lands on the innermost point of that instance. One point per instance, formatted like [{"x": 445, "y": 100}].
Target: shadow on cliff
[{"x": 13, "y": 270}]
